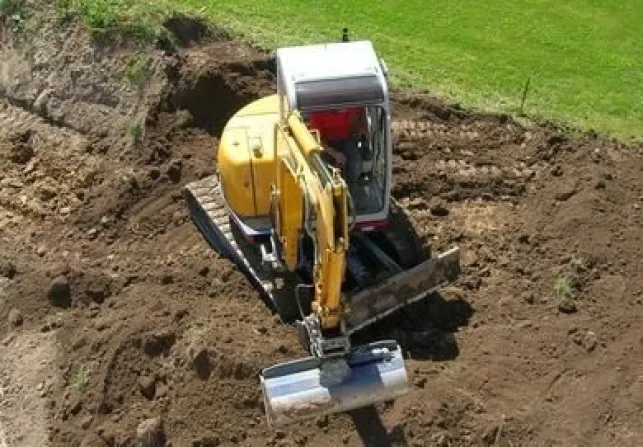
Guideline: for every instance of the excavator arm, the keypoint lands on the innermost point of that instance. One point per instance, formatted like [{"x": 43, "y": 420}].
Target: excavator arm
[{"x": 311, "y": 197}]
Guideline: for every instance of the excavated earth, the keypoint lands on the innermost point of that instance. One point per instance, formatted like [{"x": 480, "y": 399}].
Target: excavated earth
[{"x": 118, "y": 322}]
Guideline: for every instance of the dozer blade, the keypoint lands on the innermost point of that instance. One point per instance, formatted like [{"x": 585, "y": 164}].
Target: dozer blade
[
  {"x": 312, "y": 387},
  {"x": 372, "y": 304}
]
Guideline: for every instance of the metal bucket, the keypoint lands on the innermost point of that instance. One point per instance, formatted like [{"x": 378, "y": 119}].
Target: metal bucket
[{"x": 311, "y": 387}]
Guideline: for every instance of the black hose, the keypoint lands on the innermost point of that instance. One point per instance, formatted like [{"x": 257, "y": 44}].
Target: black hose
[{"x": 298, "y": 298}]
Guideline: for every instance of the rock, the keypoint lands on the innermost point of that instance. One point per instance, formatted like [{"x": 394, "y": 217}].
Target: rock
[
  {"x": 7, "y": 340},
  {"x": 179, "y": 314},
  {"x": 417, "y": 204},
  {"x": 528, "y": 297},
  {"x": 525, "y": 324},
  {"x": 440, "y": 440},
  {"x": 147, "y": 385},
  {"x": 174, "y": 170},
  {"x": 473, "y": 283},
  {"x": 59, "y": 292},
  {"x": 600, "y": 184},
  {"x": 204, "y": 270},
  {"x": 154, "y": 173},
  {"x": 150, "y": 433},
  {"x": 557, "y": 171},
  {"x": 159, "y": 342},
  {"x": 59, "y": 269},
  {"x": 98, "y": 291},
  {"x": 167, "y": 279},
  {"x": 75, "y": 406},
  {"x": 206, "y": 441},
  {"x": 21, "y": 153},
  {"x": 161, "y": 390},
  {"x": 590, "y": 340},
  {"x": 420, "y": 382},
  {"x": 47, "y": 192},
  {"x": 7, "y": 269},
  {"x": 202, "y": 363},
  {"x": 15, "y": 317},
  {"x": 438, "y": 208},
  {"x": 567, "y": 306},
  {"x": 490, "y": 434},
  {"x": 40, "y": 104},
  {"x": 565, "y": 194},
  {"x": 86, "y": 422},
  {"x": 106, "y": 434},
  {"x": 322, "y": 422},
  {"x": 577, "y": 338}
]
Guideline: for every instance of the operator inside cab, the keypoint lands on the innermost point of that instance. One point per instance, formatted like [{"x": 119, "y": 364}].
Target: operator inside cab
[{"x": 340, "y": 131}]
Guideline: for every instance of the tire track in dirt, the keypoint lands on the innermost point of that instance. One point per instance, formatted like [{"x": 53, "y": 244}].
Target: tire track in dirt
[
  {"x": 3, "y": 434},
  {"x": 27, "y": 372}
]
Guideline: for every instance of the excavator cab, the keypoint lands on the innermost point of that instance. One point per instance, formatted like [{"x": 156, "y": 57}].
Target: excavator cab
[
  {"x": 338, "y": 76},
  {"x": 365, "y": 171}
]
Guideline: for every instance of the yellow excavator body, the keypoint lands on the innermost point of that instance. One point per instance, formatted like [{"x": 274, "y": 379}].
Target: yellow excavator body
[
  {"x": 246, "y": 157},
  {"x": 327, "y": 252}
]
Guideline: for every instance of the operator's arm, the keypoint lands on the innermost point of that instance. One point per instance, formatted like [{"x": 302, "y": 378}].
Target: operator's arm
[
  {"x": 338, "y": 156},
  {"x": 359, "y": 124}
]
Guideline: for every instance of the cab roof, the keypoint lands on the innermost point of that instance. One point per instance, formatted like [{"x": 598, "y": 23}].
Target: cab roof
[
  {"x": 328, "y": 61},
  {"x": 331, "y": 75}
]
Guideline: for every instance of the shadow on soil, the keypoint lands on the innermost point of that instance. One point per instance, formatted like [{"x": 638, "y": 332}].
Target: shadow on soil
[
  {"x": 371, "y": 430},
  {"x": 425, "y": 329}
]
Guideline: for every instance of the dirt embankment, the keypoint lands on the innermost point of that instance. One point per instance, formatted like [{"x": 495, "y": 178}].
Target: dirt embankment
[{"x": 114, "y": 311}]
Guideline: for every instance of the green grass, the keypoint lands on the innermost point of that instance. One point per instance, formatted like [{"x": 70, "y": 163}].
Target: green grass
[
  {"x": 138, "y": 70},
  {"x": 564, "y": 292},
  {"x": 13, "y": 10},
  {"x": 141, "y": 19},
  {"x": 80, "y": 375},
  {"x": 584, "y": 57}
]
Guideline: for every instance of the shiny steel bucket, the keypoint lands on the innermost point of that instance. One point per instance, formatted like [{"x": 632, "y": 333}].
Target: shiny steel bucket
[{"x": 309, "y": 387}]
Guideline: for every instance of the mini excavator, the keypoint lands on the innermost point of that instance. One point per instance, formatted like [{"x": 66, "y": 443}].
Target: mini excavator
[{"x": 330, "y": 257}]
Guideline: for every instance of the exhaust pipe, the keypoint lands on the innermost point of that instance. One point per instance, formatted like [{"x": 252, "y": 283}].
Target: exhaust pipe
[{"x": 313, "y": 387}]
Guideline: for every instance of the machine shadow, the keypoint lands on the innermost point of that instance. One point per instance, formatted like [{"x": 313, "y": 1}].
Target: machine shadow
[
  {"x": 424, "y": 329},
  {"x": 371, "y": 430}
]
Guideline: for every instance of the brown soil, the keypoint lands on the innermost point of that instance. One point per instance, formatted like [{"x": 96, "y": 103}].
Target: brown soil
[{"x": 150, "y": 322}]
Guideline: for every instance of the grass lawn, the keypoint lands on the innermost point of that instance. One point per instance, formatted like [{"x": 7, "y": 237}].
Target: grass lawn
[{"x": 584, "y": 57}]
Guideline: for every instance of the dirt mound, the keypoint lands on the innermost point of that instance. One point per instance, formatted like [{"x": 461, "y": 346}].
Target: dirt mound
[{"x": 95, "y": 144}]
